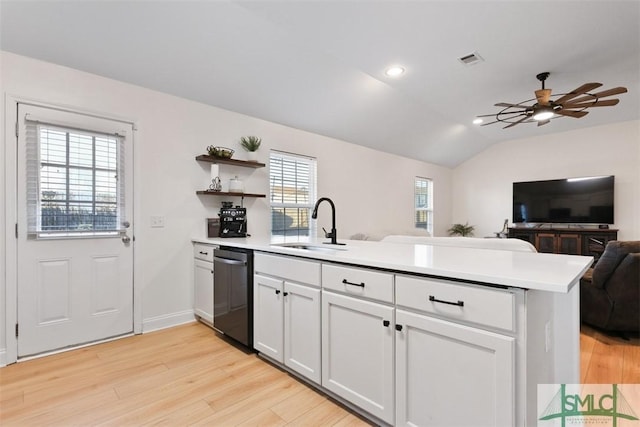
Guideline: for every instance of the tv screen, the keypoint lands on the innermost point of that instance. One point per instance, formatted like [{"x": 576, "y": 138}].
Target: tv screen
[{"x": 586, "y": 200}]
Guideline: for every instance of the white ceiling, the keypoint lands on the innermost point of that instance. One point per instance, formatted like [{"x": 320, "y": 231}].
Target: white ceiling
[{"x": 319, "y": 65}]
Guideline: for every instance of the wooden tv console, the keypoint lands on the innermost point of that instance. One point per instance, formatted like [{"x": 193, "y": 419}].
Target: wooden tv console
[{"x": 572, "y": 241}]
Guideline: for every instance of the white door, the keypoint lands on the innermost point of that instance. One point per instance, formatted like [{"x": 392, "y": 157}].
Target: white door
[
  {"x": 357, "y": 353},
  {"x": 302, "y": 330},
  {"x": 75, "y": 248},
  {"x": 452, "y": 375},
  {"x": 268, "y": 327}
]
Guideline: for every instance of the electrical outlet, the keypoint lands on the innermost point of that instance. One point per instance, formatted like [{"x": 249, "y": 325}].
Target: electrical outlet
[{"x": 157, "y": 221}]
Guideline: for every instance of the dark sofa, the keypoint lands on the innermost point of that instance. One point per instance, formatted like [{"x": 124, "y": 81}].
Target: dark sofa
[{"x": 610, "y": 292}]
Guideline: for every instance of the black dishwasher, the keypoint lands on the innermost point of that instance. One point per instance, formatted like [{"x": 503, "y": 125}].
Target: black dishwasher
[{"x": 233, "y": 293}]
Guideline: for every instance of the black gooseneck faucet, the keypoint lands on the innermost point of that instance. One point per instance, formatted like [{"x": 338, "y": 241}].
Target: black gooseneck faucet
[{"x": 333, "y": 235}]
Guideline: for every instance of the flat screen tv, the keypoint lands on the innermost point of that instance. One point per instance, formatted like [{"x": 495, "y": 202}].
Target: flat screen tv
[{"x": 587, "y": 200}]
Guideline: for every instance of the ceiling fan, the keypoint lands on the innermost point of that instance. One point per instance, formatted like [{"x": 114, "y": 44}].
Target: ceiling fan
[{"x": 570, "y": 104}]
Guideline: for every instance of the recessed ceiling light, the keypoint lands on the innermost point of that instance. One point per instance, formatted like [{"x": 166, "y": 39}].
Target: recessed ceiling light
[
  {"x": 477, "y": 121},
  {"x": 394, "y": 71}
]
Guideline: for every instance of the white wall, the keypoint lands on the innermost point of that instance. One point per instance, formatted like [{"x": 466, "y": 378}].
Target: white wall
[
  {"x": 482, "y": 186},
  {"x": 373, "y": 191}
]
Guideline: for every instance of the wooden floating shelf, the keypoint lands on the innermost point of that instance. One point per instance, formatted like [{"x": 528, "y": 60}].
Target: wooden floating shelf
[
  {"x": 226, "y": 193},
  {"x": 243, "y": 163}
]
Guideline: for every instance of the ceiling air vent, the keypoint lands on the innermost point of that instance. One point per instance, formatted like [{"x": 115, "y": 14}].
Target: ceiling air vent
[{"x": 471, "y": 59}]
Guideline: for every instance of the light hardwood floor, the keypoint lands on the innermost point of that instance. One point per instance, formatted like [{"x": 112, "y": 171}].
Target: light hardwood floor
[{"x": 188, "y": 375}]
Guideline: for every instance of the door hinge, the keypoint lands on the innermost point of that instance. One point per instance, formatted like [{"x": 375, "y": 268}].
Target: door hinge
[
  {"x": 16, "y": 330},
  {"x": 17, "y": 129},
  {"x": 16, "y": 230}
]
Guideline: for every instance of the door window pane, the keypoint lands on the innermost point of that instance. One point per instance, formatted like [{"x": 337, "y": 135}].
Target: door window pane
[{"x": 77, "y": 181}]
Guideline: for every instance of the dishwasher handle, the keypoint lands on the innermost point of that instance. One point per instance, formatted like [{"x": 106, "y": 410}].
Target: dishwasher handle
[{"x": 229, "y": 261}]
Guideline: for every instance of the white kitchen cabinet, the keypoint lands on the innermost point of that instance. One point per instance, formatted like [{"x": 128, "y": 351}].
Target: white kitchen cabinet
[
  {"x": 287, "y": 313},
  {"x": 268, "y": 317},
  {"x": 302, "y": 330},
  {"x": 449, "y": 374},
  {"x": 203, "y": 283},
  {"x": 357, "y": 352}
]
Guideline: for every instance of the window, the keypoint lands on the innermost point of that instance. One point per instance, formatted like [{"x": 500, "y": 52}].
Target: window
[
  {"x": 424, "y": 203},
  {"x": 292, "y": 182},
  {"x": 73, "y": 186}
]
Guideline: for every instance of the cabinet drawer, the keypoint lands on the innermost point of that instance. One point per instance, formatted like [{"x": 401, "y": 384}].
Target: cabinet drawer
[
  {"x": 294, "y": 269},
  {"x": 483, "y": 306},
  {"x": 203, "y": 252},
  {"x": 357, "y": 281}
]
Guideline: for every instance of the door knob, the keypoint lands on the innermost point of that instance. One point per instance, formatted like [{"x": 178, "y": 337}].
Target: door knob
[{"x": 126, "y": 239}]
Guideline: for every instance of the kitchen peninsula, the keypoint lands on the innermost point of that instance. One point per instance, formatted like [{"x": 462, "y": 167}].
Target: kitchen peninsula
[{"x": 419, "y": 334}]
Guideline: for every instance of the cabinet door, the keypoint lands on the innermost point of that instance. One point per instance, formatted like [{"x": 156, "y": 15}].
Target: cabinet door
[
  {"x": 203, "y": 290},
  {"x": 302, "y": 330},
  {"x": 268, "y": 325},
  {"x": 452, "y": 375},
  {"x": 569, "y": 244},
  {"x": 357, "y": 353},
  {"x": 594, "y": 244},
  {"x": 546, "y": 242}
]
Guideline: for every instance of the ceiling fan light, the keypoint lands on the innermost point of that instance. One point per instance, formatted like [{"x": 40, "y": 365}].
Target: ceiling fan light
[{"x": 543, "y": 114}]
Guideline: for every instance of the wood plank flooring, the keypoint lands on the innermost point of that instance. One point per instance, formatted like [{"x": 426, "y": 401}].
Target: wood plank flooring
[
  {"x": 185, "y": 375},
  {"x": 188, "y": 375}
]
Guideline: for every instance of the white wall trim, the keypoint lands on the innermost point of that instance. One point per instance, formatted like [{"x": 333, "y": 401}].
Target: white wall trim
[
  {"x": 11, "y": 260},
  {"x": 167, "y": 321},
  {"x": 3, "y": 357}
]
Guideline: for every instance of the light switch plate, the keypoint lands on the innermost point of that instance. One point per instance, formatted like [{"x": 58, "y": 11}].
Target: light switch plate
[{"x": 157, "y": 221}]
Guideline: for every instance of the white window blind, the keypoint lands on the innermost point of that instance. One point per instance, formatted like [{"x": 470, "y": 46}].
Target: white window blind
[
  {"x": 74, "y": 187},
  {"x": 423, "y": 192},
  {"x": 292, "y": 192}
]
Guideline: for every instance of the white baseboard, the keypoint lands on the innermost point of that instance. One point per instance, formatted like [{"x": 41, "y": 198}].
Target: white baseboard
[
  {"x": 3, "y": 357},
  {"x": 167, "y": 321}
]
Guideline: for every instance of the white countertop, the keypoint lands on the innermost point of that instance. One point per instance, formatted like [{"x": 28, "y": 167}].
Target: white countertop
[{"x": 545, "y": 272}]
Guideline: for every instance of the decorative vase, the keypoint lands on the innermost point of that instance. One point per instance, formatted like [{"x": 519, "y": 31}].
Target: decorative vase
[{"x": 252, "y": 156}]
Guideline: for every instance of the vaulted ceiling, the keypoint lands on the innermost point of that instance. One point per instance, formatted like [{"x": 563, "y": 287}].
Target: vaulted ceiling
[{"x": 319, "y": 65}]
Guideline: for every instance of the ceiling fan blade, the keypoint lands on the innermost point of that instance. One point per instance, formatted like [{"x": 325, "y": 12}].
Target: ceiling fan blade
[
  {"x": 577, "y": 92},
  {"x": 525, "y": 117},
  {"x": 489, "y": 123},
  {"x": 506, "y": 112},
  {"x": 569, "y": 113},
  {"x": 603, "y": 94},
  {"x": 543, "y": 122},
  {"x": 598, "y": 103},
  {"x": 504, "y": 104},
  {"x": 614, "y": 91},
  {"x": 543, "y": 96}
]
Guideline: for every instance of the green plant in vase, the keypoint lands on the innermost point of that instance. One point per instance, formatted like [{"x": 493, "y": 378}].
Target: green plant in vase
[
  {"x": 465, "y": 230},
  {"x": 251, "y": 144}
]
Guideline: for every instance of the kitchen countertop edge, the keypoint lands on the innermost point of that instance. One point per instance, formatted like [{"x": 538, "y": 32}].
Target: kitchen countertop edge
[{"x": 534, "y": 271}]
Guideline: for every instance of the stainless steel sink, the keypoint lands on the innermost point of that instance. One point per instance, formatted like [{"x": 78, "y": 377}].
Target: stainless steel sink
[{"x": 311, "y": 247}]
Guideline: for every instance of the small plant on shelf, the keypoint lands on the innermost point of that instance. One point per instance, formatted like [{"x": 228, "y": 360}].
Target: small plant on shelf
[
  {"x": 250, "y": 143},
  {"x": 465, "y": 230}
]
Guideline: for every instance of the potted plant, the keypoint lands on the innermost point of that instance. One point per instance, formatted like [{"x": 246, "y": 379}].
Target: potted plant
[
  {"x": 251, "y": 144},
  {"x": 465, "y": 230}
]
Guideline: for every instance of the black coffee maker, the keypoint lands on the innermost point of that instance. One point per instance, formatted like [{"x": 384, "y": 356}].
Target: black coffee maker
[{"x": 233, "y": 220}]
